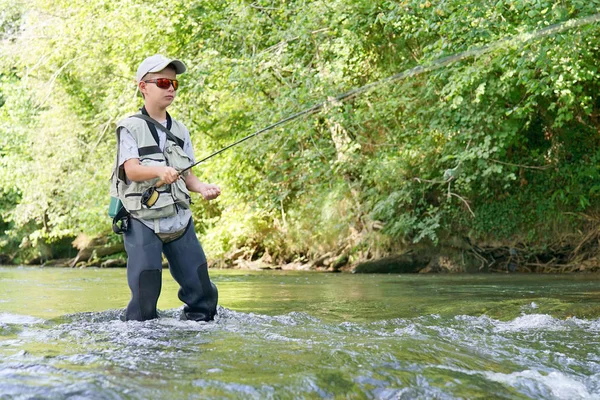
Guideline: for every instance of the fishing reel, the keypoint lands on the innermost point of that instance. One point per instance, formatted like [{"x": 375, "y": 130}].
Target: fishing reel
[{"x": 150, "y": 197}]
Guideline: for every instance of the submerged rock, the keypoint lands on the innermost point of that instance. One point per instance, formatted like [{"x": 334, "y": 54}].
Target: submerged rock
[{"x": 406, "y": 263}]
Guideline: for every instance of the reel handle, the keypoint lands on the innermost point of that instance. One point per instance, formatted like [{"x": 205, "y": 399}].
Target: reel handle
[
  {"x": 150, "y": 196},
  {"x": 163, "y": 183}
]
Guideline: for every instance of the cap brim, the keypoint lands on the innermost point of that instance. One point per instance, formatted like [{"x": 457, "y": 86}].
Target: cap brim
[{"x": 178, "y": 65}]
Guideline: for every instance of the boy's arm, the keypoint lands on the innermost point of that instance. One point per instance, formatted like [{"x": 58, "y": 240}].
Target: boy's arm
[
  {"x": 129, "y": 160},
  {"x": 139, "y": 173},
  {"x": 207, "y": 190}
]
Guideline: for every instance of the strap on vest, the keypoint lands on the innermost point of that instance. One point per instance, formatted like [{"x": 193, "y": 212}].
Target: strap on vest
[
  {"x": 153, "y": 129},
  {"x": 153, "y": 124}
]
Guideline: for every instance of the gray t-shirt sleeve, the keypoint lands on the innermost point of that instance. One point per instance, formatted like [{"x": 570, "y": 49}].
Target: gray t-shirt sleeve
[{"x": 128, "y": 148}]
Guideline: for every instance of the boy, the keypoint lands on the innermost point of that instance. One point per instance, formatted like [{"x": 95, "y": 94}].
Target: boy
[{"x": 147, "y": 155}]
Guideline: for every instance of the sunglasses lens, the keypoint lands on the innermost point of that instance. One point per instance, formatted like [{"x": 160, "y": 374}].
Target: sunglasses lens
[{"x": 163, "y": 83}]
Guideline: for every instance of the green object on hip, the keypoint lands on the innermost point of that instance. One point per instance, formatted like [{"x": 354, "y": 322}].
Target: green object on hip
[{"x": 114, "y": 206}]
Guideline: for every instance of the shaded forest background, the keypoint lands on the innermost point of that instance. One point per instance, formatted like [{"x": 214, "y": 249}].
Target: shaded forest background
[{"x": 498, "y": 151}]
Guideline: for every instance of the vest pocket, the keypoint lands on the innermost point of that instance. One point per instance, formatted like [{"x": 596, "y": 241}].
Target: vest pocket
[
  {"x": 154, "y": 213},
  {"x": 176, "y": 157},
  {"x": 132, "y": 200},
  {"x": 181, "y": 193}
]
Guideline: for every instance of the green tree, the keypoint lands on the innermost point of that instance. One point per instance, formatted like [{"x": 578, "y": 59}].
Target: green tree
[{"x": 459, "y": 149}]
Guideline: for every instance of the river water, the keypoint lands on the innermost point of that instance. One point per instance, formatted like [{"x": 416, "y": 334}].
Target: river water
[{"x": 290, "y": 335}]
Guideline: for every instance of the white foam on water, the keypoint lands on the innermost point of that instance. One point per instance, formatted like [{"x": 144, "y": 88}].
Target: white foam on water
[
  {"x": 410, "y": 330},
  {"x": 351, "y": 327},
  {"x": 281, "y": 338},
  {"x": 534, "y": 305},
  {"x": 557, "y": 384},
  {"x": 560, "y": 385},
  {"x": 246, "y": 391},
  {"x": 177, "y": 323},
  {"x": 530, "y": 322},
  {"x": 16, "y": 319},
  {"x": 593, "y": 325}
]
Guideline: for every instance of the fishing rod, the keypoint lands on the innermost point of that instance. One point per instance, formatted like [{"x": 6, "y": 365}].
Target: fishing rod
[{"x": 150, "y": 196}]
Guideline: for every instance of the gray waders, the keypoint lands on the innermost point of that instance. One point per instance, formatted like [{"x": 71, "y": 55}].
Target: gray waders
[{"x": 187, "y": 264}]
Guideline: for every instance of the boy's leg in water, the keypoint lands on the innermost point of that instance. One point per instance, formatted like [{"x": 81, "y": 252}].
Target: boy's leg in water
[
  {"x": 187, "y": 264},
  {"x": 144, "y": 270}
]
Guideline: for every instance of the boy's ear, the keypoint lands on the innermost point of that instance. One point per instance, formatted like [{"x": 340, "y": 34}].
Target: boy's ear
[{"x": 141, "y": 87}]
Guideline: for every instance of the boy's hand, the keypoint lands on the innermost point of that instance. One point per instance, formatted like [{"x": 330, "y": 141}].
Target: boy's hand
[
  {"x": 168, "y": 175},
  {"x": 209, "y": 191}
]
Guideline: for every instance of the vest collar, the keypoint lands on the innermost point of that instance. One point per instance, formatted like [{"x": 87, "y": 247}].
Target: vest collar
[
  {"x": 169, "y": 120},
  {"x": 153, "y": 128}
]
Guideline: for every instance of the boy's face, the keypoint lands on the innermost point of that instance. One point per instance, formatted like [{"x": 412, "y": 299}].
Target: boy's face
[{"x": 155, "y": 95}]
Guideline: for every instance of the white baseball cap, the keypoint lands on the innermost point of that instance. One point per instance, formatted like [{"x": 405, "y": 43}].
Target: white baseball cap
[{"x": 157, "y": 63}]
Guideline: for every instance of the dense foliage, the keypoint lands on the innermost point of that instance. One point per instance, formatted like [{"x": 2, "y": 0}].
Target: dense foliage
[{"x": 501, "y": 146}]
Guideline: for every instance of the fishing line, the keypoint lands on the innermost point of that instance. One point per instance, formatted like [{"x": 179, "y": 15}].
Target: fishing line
[{"x": 418, "y": 70}]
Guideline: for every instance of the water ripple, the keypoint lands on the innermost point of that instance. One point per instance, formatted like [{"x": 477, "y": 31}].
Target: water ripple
[{"x": 249, "y": 355}]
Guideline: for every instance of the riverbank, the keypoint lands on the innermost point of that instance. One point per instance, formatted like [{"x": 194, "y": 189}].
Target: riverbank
[{"x": 569, "y": 255}]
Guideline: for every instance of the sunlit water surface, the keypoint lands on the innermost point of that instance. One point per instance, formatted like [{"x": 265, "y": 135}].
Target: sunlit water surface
[{"x": 285, "y": 335}]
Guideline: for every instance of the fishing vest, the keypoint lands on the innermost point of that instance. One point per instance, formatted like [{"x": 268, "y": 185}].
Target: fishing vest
[{"x": 170, "y": 196}]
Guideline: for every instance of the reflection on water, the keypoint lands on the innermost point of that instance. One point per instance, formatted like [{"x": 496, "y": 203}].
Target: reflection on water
[{"x": 302, "y": 335}]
